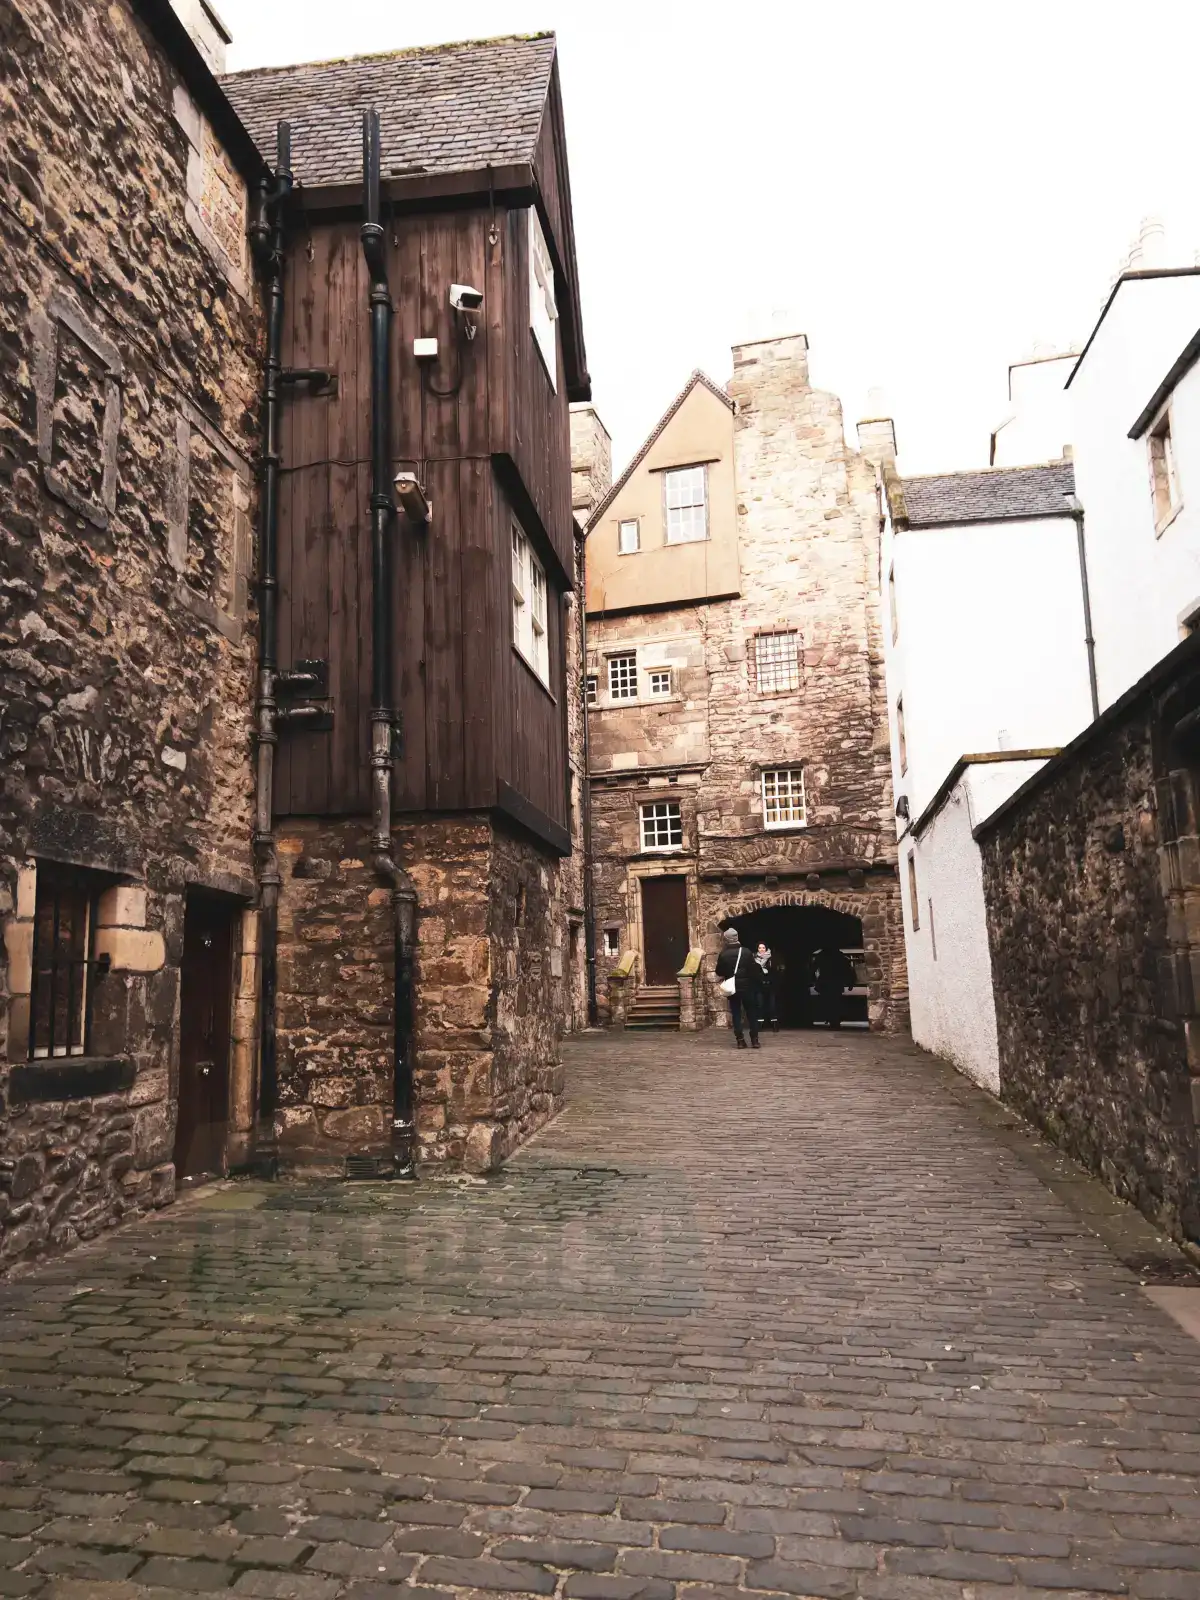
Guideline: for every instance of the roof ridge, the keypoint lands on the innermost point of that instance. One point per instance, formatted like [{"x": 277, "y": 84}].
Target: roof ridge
[
  {"x": 698, "y": 375},
  {"x": 976, "y": 472},
  {"x": 407, "y": 52}
]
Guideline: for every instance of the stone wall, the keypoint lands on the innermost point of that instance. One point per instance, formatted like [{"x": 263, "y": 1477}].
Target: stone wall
[
  {"x": 1092, "y": 887},
  {"x": 491, "y": 989},
  {"x": 128, "y": 385},
  {"x": 808, "y": 534}
]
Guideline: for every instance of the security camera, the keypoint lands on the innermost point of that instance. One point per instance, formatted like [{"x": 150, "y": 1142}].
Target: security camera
[{"x": 464, "y": 298}]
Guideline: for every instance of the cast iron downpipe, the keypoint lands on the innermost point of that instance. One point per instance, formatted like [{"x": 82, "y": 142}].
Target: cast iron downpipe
[
  {"x": 383, "y": 512},
  {"x": 267, "y": 243},
  {"x": 589, "y": 881}
]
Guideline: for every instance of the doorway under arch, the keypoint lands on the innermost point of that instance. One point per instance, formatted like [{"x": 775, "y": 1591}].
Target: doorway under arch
[{"x": 794, "y": 935}]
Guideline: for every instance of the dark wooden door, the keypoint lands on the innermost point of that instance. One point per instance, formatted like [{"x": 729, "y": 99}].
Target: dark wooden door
[
  {"x": 204, "y": 1017},
  {"x": 664, "y": 927}
]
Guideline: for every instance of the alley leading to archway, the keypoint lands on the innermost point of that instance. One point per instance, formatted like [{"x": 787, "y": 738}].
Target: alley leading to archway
[{"x": 805, "y": 1322}]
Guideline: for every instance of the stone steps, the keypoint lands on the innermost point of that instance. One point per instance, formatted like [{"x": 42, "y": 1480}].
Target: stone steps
[{"x": 655, "y": 1008}]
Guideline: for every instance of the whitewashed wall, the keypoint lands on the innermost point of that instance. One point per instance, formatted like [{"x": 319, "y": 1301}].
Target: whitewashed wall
[
  {"x": 1142, "y": 583},
  {"x": 949, "y": 963},
  {"x": 990, "y": 652},
  {"x": 1038, "y": 425}
]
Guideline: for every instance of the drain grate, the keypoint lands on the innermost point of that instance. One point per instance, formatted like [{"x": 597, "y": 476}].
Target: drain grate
[{"x": 360, "y": 1168}]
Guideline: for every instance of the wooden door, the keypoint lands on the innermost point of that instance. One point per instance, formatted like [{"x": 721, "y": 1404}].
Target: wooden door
[
  {"x": 664, "y": 927},
  {"x": 204, "y": 1018}
]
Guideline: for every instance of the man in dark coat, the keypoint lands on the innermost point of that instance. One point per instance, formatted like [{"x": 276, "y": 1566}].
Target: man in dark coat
[
  {"x": 835, "y": 974},
  {"x": 736, "y": 963}
]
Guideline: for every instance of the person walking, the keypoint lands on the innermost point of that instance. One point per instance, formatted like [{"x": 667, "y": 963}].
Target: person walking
[
  {"x": 766, "y": 987},
  {"x": 738, "y": 978}
]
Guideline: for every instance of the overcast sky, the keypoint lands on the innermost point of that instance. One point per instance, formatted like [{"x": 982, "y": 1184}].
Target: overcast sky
[{"x": 924, "y": 189}]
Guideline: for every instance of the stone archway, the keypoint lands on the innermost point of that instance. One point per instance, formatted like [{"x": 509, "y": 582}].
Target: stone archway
[
  {"x": 875, "y": 905},
  {"x": 811, "y": 947}
]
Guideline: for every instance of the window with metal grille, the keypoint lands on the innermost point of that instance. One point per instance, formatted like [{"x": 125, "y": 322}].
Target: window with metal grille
[
  {"x": 64, "y": 962},
  {"x": 622, "y": 676},
  {"x": 777, "y": 661},
  {"x": 660, "y": 682},
  {"x": 612, "y": 941},
  {"x": 593, "y": 688},
  {"x": 783, "y": 798},
  {"x": 662, "y": 825},
  {"x": 686, "y": 505}
]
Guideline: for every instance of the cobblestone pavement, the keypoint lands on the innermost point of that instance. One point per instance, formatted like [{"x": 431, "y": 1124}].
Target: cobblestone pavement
[{"x": 793, "y": 1323}]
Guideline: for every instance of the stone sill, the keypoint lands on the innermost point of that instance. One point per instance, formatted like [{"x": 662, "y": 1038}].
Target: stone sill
[{"x": 69, "y": 1078}]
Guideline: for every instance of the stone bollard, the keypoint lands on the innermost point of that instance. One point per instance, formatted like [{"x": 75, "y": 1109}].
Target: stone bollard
[
  {"x": 621, "y": 986},
  {"x": 691, "y": 999}
]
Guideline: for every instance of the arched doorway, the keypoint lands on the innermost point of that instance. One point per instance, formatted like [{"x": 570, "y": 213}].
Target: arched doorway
[{"x": 795, "y": 935}]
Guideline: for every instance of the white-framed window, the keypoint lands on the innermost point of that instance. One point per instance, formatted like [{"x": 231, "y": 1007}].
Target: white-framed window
[
  {"x": 685, "y": 497},
  {"x": 529, "y": 605},
  {"x": 777, "y": 661},
  {"x": 1164, "y": 473},
  {"x": 783, "y": 798},
  {"x": 914, "y": 904},
  {"x": 901, "y": 739},
  {"x": 895, "y": 615},
  {"x": 592, "y": 689},
  {"x": 622, "y": 676},
  {"x": 629, "y": 537},
  {"x": 612, "y": 941},
  {"x": 662, "y": 825},
  {"x": 660, "y": 682},
  {"x": 543, "y": 309}
]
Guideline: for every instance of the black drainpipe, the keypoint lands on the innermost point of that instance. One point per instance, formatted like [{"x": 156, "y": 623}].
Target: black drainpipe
[
  {"x": 383, "y": 718},
  {"x": 589, "y": 882},
  {"x": 267, "y": 243}
]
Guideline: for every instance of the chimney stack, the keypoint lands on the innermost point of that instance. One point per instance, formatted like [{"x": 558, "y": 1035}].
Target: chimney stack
[
  {"x": 877, "y": 432},
  {"x": 209, "y": 34},
  {"x": 591, "y": 460}
]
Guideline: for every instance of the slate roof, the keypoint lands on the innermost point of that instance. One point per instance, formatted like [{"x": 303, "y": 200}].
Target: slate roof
[
  {"x": 443, "y": 108},
  {"x": 993, "y": 494}
]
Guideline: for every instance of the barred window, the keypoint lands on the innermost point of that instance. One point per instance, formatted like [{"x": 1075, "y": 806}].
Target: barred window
[
  {"x": 662, "y": 825},
  {"x": 777, "y": 661},
  {"x": 612, "y": 941},
  {"x": 686, "y": 505},
  {"x": 783, "y": 798},
  {"x": 622, "y": 676},
  {"x": 660, "y": 682},
  {"x": 64, "y": 962},
  {"x": 593, "y": 688}
]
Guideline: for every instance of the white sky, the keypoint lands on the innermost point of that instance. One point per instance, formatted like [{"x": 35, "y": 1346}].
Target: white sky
[{"x": 923, "y": 188}]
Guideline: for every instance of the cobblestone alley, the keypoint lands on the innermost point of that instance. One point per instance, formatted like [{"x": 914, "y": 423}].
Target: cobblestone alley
[{"x": 802, "y": 1322}]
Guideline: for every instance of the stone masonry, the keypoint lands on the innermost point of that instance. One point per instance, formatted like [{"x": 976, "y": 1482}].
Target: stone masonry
[
  {"x": 1092, "y": 889},
  {"x": 808, "y": 537},
  {"x": 491, "y": 986},
  {"x": 128, "y": 384}
]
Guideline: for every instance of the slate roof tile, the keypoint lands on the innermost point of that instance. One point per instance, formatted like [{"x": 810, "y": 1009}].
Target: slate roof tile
[
  {"x": 989, "y": 495},
  {"x": 443, "y": 108}
]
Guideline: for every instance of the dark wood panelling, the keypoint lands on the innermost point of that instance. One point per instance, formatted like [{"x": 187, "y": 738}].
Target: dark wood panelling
[{"x": 472, "y": 714}]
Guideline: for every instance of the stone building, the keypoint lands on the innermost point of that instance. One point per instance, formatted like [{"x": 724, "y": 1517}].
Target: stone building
[
  {"x": 203, "y": 970},
  {"x": 738, "y": 755},
  {"x": 129, "y": 381}
]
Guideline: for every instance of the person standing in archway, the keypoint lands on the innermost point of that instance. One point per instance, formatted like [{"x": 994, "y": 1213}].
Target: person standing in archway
[
  {"x": 765, "y": 1002},
  {"x": 834, "y": 974},
  {"x": 738, "y": 979}
]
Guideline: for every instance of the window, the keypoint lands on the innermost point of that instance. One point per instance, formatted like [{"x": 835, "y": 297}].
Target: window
[
  {"x": 660, "y": 683},
  {"x": 662, "y": 825},
  {"x": 612, "y": 941},
  {"x": 629, "y": 537},
  {"x": 913, "y": 902},
  {"x": 892, "y": 604},
  {"x": 1164, "y": 479},
  {"x": 529, "y": 605},
  {"x": 64, "y": 963},
  {"x": 686, "y": 503},
  {"x": 783, "y": 798},
  {"x": 900, "y": 735},
  {"x": 622, "y": 676},
  {"x": 777, "y": 662},
  {"x": 593, "y": 689},
  {"x": 543, "y": 310}
]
